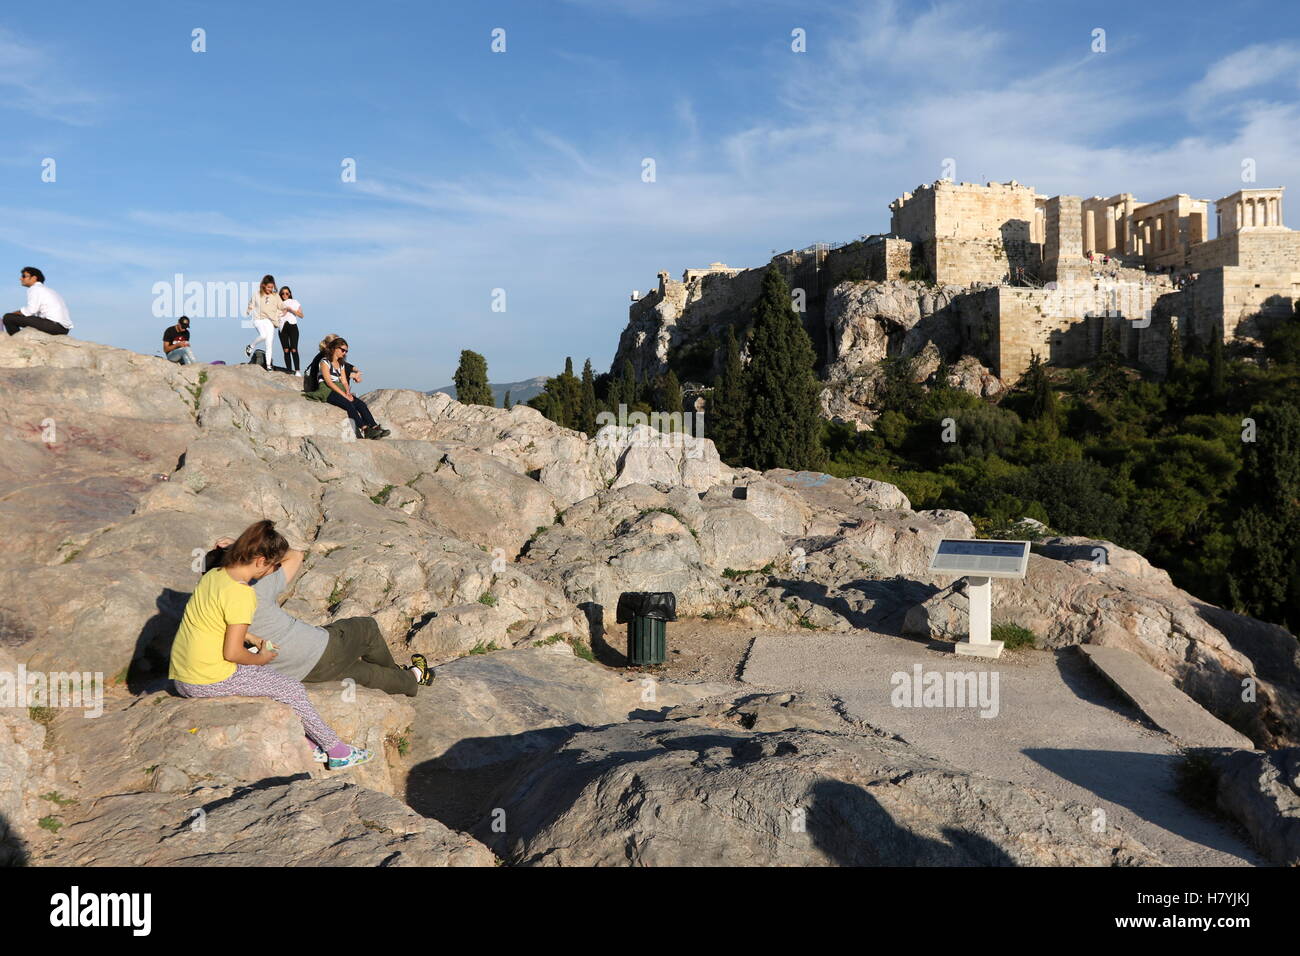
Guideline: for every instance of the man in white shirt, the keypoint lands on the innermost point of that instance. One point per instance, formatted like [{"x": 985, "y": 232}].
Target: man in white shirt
[{"x": 45, "y": 311}]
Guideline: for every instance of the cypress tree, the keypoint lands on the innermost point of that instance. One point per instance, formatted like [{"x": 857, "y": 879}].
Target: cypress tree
[
  {"x": 670, "y": 397},
  {"x": 783, "y": 429},
  {"x": 628, "y": 392},
  {"x": 506, "y": 403},
  {"x": 1217, "y": 375},
  {"x": 725, "y": 412},
  {"x": 587, "y": 403},
  {"x": 1042, "y": 399},
  {"x": 471, "y": 380}
]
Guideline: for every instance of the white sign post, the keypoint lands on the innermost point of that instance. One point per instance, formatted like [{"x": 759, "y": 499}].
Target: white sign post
[{"x": 980, "y": 561}]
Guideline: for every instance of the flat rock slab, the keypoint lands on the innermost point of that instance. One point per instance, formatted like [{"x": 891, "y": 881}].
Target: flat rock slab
[
  {"x": 1059, "y": 728},
  {"x": 1163, "y": 704}
]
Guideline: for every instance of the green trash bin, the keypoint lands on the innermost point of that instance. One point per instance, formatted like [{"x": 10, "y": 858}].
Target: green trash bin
[
  {"x": 647, "y": 641},
  {"x": 647, "y": 614}
]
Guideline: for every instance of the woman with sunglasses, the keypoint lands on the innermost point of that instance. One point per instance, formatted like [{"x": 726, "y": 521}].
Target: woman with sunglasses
[
  {"x": 288, "y": 322},
  {"x": 331, "y": 378}
]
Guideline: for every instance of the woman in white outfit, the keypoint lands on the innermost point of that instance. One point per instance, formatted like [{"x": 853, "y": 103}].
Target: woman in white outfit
[
  {"x": 264, "y": 309},
  {"x": 289, "y": 316}
]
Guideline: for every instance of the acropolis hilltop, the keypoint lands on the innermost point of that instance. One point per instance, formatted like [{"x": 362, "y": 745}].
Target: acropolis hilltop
[{"x": 1034, "y": 274}]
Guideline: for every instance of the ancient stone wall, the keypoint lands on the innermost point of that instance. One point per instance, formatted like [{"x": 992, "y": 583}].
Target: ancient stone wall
[
  {"x": 1065, "y": 326},
  {"x": 967, "y": 233},
  {"x": 1063, "y": 239}
]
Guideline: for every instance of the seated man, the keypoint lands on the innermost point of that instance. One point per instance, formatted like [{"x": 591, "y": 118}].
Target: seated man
[
  {"x": 45, "y": 310},
  {"x": 176, "y": 342},
  {"x": 352, "y": 647}
]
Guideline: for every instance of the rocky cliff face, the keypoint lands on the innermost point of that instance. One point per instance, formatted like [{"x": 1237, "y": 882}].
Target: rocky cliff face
[
  {"x": 870, "y": 321},
  {"x": 853, "y": 325},
  {"x": 118, "y": 470}
]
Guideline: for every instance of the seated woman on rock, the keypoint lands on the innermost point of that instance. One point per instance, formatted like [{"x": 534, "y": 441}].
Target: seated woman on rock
[
  {"x": 209, "y": 658},
  {"x": 330, "y": 378},
  {"x": 349, "y": 648}
]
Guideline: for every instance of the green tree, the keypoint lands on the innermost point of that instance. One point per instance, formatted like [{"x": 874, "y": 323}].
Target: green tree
[
  {"x": 726, "y": 411},
  {"x": 982, "y": 431},
  {"x": 1264, "y": 575},
  {"x": 1108, "y": 370},
  {"x": 670, "y": 396},
  {"x": 506, "y": 403},
  {"x": 1217, "y": 380},
  {"x": 562, "y": 399},
  {"x": 783, "y": 429},
  {"x": 587, "y": 405},
  {"x": 472, "y": 380},
  {"x": 629, "y": 389},
  {"x": 1041, "y": 405},
  {"x": 1282, "y": 343}
]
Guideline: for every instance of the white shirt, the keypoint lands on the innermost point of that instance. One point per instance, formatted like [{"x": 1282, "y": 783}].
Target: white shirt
[
  {"x": 287, "y": 317},
  {"x": 48, "y": 304}
]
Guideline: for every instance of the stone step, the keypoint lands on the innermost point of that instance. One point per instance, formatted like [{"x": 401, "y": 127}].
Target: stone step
[{"x": 1164, "y": 704}]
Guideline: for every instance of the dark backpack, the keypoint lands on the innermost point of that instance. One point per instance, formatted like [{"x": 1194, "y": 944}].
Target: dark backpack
[{"x": 311, "y": 380}]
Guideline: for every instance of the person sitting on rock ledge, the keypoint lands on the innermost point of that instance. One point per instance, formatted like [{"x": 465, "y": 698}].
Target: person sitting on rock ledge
[
  {"x": 349, "y": 648},
  {"x": 45, "y": 310},
  {"x": 330, "y": 378},
  {"x": 176, "y": 342},
  {"x": 209, "y": 658}
]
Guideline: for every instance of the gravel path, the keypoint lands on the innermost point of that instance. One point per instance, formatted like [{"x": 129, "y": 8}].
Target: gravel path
[{"x": 1059, "y": 728}]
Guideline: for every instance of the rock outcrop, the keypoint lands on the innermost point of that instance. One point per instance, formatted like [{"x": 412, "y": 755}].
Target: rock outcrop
[
  {"x": 776, "y": 781},
  {"x": 1243, "y": 670},
  {"x": 867, "y": 322},
  {"x": 1261, "y": 791},
  {"x": 495, "y": 542},
  {"x": 300, "y": 823}
]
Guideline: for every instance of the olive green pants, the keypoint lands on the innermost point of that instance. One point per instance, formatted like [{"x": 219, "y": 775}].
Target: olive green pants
[{"x": 356, "y": 649}]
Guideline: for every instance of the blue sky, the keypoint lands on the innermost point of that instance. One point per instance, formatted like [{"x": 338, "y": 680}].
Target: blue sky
[{"x": 522, "y": 170}]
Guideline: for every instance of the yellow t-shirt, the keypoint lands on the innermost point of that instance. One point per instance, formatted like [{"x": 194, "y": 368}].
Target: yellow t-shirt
[{"x": 197, "y": 654}]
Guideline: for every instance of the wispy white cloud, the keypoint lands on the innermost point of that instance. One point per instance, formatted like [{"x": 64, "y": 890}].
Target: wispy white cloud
[
  {"x": 874, "y": 107},
  {"x": 1248, "y": 69},
  {"x": 36, "y": 79}
]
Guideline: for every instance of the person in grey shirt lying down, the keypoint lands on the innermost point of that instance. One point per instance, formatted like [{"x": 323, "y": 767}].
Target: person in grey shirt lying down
[{"x": 352, "y": 647}]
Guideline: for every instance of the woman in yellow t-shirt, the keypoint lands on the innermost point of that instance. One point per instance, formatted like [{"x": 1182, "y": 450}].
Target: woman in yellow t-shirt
[{"x": 209, "y": 658}]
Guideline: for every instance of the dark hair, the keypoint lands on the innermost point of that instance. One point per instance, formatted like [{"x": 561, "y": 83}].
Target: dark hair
[
  {"x": 259, "y": 540},
  {"x": 285, "y": 288},
  {"x": 33, "y": 271},
  {"x": 331, "y": 343},
  {"x": 183, "y": 318},
  {"x": 265, "y": 280}
]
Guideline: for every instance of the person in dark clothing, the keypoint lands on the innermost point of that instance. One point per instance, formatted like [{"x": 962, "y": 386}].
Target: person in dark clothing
[
  {"x": 176, "y": 342},
  {"x": 289, "y": 330}
]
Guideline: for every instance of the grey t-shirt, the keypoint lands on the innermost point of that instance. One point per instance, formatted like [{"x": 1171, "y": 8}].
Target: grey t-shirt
[{"x": 299, "y": 645}]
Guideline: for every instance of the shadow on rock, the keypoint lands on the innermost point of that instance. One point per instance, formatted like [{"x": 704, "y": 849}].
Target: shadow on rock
[
  {"x": 153, "y": 647},
  {"x": 13, "y": 849},
  {"x": 1145, "y": 784},
  {"x": 853, "y": 829}
]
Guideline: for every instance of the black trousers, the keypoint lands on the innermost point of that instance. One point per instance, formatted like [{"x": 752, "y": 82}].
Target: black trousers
[
  {"x": 356, "y": 649},
  {"x": 16, "y": 320},
  {"x": 357, "y": 410},
  {"x": 289, "y": 342}
]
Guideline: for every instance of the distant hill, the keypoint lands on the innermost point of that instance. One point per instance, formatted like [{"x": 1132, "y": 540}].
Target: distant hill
[{"x": 519, "y": 391}]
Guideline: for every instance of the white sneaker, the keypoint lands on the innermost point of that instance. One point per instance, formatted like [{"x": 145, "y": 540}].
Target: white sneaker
[{"x": 248, "y": 350}]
